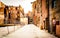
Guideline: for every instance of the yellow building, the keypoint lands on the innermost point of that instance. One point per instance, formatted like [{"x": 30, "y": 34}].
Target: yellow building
[
  {"x": 36, "y": 7},
  {"x": 2, "y": 6},
  {"x": 39, "y": 12}
]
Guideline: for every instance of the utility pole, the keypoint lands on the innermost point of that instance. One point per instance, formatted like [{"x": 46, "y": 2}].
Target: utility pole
[
  {"x": 48, "y": 18},
  {"x": 48, "y": 23}
]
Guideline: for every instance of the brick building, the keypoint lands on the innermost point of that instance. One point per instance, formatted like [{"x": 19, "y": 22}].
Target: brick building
[
  {"x": 2, "y": 6},
  {"x": 39, "y": 11}
]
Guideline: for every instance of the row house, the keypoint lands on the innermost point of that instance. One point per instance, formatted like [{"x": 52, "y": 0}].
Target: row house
[
  {"x": 36, "y": 10},
  {"x": 13, "y": 14},
  {"x": 2, "y": 6},
  {"x": 54, "y": 11},
  {"x": 10, "y": 14},
  {"x": 39, "y": 12}
]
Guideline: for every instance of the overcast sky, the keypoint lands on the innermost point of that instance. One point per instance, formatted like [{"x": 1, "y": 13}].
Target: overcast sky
[{"x": 26, "y": 4}]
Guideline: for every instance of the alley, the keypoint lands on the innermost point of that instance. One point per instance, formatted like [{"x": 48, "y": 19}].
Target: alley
[
  {"x": 29, "y": 31},
  {"x": 29, "y": 18}
]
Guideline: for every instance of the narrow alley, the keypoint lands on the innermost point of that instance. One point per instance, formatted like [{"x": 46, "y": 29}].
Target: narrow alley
[{"x": 29, "y": 18}]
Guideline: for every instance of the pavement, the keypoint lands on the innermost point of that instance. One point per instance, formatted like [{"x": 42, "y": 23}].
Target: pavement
[{"x": 30, "y": 31}]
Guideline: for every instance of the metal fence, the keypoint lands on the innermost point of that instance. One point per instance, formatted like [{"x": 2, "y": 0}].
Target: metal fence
[
  {"x": 9, "y": 26},
  {"x": 8, "y": 29}
]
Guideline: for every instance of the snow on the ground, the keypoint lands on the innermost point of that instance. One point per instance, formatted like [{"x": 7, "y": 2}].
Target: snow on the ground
[
  {"x": 30, "y": 31},
  {"x": 4, "y": 30}
]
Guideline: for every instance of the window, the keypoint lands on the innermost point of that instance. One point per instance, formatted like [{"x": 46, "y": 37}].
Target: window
[{"x": 53, "y": 3}]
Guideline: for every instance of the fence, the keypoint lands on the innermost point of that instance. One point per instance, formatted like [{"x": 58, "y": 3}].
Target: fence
[{"x": 8, "y": 29}]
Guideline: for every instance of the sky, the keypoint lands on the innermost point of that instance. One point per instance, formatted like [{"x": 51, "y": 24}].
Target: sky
[{"x": 26, "y": 4}]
